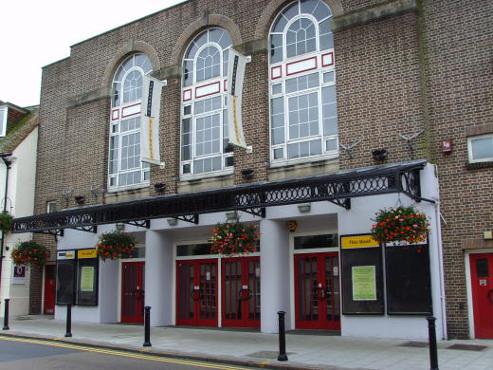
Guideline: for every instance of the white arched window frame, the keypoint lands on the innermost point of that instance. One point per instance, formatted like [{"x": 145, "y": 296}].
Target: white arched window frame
[
  {"x": 125, "y": 169},
  {"x": 203, "y": 140},
  {"x": 303, "y": 114}
]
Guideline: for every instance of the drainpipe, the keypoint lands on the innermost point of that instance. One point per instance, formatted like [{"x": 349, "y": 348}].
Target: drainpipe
[{"x": 7, "y": 160}]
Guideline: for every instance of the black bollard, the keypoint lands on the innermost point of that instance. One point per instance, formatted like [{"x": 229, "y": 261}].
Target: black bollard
[
  {"x": 68, "y": 330},
  {"x": 147, "y": 326},
  {"x": 282, "y": 338},
  {"x": 6, "y": 315},
  {"x": 432, "y": 337}
]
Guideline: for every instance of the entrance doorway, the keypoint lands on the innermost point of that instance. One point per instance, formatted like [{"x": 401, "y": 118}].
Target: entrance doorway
[
  {"x": 196, "y": 287},
  {"x": 49, "y": 290},
  {"x": 317, "y": 298},
  {"x": 241, "y": 292},
  {"x": 133, "y": 292},
  {"x": 482, "y": 294}
]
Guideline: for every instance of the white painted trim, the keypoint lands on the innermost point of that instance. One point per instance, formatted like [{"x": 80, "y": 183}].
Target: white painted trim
[{"x": 470, "y": 304}]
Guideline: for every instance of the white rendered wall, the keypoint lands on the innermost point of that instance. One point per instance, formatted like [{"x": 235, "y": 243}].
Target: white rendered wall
[
  {"x": 274, "y": 274},
  {"x": 20, "y": 202},
  {"x": 159, "y": 277}
]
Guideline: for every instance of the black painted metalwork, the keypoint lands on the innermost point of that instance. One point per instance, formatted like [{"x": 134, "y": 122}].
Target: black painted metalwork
[
  {"x": 338, "y": 187},
  {"x": 68, "y": 322},
  {"x": 140, "y": 223},
  {"x": 89, "y": 229},
  {"x": 432, "y": 340},
  {"x": 260, "y": 212},
  {"x": 6, "y": 315},
  {"x": 282, "y": 337},
  {"x": 147, "y": 326},
  {"x": 194, "y": 219}
]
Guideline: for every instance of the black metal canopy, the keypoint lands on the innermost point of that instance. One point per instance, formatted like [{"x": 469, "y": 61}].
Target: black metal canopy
[{"x": 338, "y": 188}]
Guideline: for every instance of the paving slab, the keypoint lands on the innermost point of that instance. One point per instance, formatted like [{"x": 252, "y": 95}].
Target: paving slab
[{"x": 251, "y": 348}]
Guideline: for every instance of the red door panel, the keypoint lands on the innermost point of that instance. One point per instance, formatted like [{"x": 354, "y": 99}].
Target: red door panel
[
  {"x": 317, "y": 298},
  {"x": 482, "y": 294},
  {"x": 49, "y": 290},
  {"x": 196, "y": 292},
  {"x": 133, "y": 290},
  {"x": 241, "y": 292}
]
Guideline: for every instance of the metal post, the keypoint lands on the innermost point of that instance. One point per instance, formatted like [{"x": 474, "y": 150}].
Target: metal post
[
  {"x": 432, "y": 337},
  {"x": 6, "y": 315},
  {"x": 68, "y": 330},
  {"x": 282, "y": 338},
  {"x": 147, "y": 326}
]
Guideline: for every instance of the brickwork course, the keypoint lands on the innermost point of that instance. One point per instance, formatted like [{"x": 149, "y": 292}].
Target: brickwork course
[{"x": 403, "y": 67}]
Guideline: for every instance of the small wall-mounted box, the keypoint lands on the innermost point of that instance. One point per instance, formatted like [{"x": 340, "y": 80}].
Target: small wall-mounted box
[
  {"x": 488, "y": 235},
  {"x": 447, "y": 146}
]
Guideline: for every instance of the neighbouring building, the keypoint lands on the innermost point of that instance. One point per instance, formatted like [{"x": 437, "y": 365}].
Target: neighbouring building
[
  {"x": 349, "y": 106},
  {"x": 18, "y": 143}
]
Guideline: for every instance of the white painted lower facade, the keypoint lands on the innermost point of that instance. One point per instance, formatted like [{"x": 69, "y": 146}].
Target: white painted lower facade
[{"x": 276, "y": 260}]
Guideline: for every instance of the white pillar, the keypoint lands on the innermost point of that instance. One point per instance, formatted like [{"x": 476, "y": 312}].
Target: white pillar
[
  {"x": 158, "y": 277},
  {"x": 109, "y": 295},
  {"x": 274, "y": 277}
]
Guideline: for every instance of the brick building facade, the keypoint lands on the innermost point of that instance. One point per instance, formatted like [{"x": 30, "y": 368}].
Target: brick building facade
[{"x": 404, "y": 67}]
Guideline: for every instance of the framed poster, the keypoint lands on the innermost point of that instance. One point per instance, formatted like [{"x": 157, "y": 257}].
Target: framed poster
[
  {"x": 361, "y": 275},
  {"x": 65, "y": 277},
  {"x": 87, "y": 277},
  {"x": 408, "y": 279},
  {"x": 19, "y": 274}
]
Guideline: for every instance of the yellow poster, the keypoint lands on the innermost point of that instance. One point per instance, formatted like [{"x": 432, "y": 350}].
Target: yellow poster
[
  {"x": 87, "y": 253},
  {"x": 358, "y": 241},
  {"x": 87, "y": 279},
  {"x": 364, "y": 283}
]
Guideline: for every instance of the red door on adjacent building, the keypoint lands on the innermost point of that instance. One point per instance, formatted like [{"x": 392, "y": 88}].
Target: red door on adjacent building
[
  {"x": 133, "y": 291},
  {"x": 241, "y": 292},
  {"x": 482, "y": 294},
  {"x": 317, "y": 291},
  {"x": 196, "y": 292},
  {"x": 49, "y": 290}
]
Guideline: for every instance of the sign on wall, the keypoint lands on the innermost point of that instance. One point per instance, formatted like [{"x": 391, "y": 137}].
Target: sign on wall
[
  {"x": 19, "y": 275},
  {"x": 65, "y": 277},
  {"x": 362, "y": 275},
  {"x": 149, "y": 131},
  {"x": 236, "y": 74},
  {"x": 87, "y": 277}
]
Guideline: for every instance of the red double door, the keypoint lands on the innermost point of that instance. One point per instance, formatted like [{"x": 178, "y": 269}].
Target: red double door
[
  {"x": 482, "y": 294},
  {"x": 133, "y": 292},
  {"x": 197, "y": 292},
  {"x": 317, "y": 298}
]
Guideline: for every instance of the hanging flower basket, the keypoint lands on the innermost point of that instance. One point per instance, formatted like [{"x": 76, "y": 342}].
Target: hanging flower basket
[
  {"x": 234, "y": 238},
  {"x": 115, "y": 244},
  {"x": 30, "y": 253},
  {"x": 6, "y": 221},
  {"x": 400, "y": 224}
]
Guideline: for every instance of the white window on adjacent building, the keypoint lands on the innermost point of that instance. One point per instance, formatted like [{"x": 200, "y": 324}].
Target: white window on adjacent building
[
  {"x": 3, "y": 120},
  {"x": 51, "y": 206},
  {"x": 303, "y": 112},
  {"x": 480, "y": 148},
  {"x": 125, "y": 167},
  {"x": 204, "y": 137}
]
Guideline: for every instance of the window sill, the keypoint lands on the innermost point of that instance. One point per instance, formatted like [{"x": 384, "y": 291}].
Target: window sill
[
  {"x": 479, "y": 165},
  {"x": 196, "y": 178},
  {"x": 129, "y": 187},
  {"x": 306, "y": 160}
]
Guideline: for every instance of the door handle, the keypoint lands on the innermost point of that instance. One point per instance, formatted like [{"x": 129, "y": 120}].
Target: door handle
[
  {"x": 245, "y": 294},
  {"x": 490, "y": 296}
]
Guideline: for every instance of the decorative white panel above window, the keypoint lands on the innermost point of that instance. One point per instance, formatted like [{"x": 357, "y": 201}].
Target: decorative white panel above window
[
  {"x": 480, "y": 148},
  {"x": 204, "y": 150},
  {"x": 125, "y": 167},
  {"x": 303, "y": 111}
]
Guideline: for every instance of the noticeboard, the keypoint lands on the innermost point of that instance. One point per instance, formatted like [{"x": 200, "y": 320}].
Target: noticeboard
[
  {"x": 65, "y": 277},
  {"x": 361, "y": 275},
  {"x": 87, "y": 277},
  {"x": 408, "y": 280}
]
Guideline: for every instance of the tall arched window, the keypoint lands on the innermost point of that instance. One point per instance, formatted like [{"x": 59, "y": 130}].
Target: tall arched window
[
  {"x": 125, "y": 167},
  {"x": 204, "y": 147},
  {"x": 303, "y": 115}
]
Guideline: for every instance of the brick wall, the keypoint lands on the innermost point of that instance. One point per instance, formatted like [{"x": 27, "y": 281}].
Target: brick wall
[{"x": 426, "y": 70}]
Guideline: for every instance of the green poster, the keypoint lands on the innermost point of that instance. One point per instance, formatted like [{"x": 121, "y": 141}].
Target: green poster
[
  {"x": 87, "y": 279},
  {"x": 364, "y": 283}
]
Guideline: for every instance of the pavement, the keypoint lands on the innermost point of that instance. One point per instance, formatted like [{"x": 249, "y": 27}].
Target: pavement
[{"x": 246, "y": 348}]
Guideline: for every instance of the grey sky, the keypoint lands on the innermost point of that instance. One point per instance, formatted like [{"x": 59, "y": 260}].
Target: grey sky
[{"x": 35, "y": 33}]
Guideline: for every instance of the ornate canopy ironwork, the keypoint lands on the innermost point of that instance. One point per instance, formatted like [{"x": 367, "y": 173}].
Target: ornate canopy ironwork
[{"x": 338, "y": 188}]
